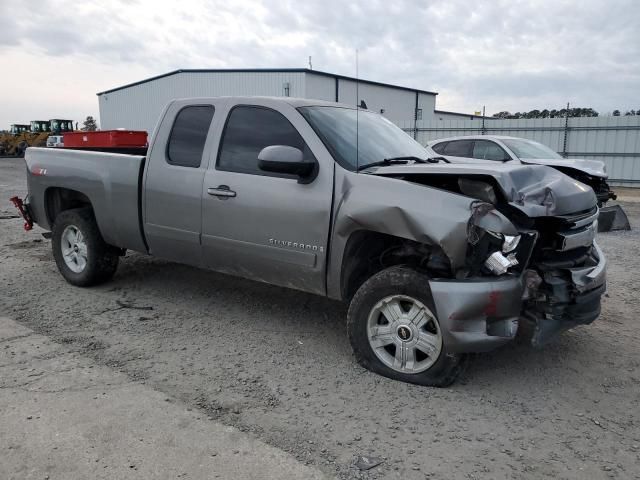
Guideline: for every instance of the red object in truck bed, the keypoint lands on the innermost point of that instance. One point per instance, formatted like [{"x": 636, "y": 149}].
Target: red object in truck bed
[{"x": 106, "y": 139}]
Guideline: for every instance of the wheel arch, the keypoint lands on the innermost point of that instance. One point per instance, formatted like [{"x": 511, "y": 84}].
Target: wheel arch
[
  {"x": 368, "y": 252},
  {"x": 59, "y": 199}
]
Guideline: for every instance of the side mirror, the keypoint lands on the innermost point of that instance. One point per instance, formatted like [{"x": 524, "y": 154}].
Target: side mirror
[{"x": 285, "y": 159}]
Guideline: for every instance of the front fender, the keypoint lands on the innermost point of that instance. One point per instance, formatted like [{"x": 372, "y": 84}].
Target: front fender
[{"x": 403, "y": 209}]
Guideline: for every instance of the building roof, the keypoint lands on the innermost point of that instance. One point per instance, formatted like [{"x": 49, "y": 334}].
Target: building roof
[{"x": 265, "y": 70}]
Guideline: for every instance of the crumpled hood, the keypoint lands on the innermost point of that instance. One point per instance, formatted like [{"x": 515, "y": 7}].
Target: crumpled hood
[
  {"x": 536, "y": 190},
  {"x": 590, "y": 167}
]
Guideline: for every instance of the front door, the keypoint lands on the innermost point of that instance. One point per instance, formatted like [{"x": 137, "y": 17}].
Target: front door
[{"x": 261, "y": 225}]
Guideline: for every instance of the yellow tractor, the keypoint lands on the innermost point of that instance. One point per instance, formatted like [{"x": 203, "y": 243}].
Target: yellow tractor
[
  {"x": 20, "y": 136},
  {"x": 40, "y": 131},
  {"x": 59, "y": 126}
]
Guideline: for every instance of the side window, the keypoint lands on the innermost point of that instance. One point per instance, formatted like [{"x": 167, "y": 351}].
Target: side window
[
  {"x": 439, "y": 147},
  {"x": 188, "y": 136},
  {"x": 248, "y": 131},
  {"x": 486, "y": 150},
  {"x": 459, "y": 148}
]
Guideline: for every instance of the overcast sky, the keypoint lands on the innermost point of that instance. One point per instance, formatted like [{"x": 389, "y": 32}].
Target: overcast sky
[{"x": 508, "y": 55}]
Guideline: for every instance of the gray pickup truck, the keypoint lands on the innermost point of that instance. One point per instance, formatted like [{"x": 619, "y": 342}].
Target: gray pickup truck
[{"x": 436, "y": 260}]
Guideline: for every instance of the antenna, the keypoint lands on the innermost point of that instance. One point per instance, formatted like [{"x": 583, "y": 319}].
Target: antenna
[
  {"x": 310, "y": 65},
  {"x": 357, "y": 115}
]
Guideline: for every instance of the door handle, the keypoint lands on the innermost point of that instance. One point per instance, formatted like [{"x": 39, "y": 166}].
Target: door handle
[{"x": 221, "y": 191}]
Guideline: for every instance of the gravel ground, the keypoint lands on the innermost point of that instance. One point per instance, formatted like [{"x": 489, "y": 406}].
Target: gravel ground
[
  {"x": 64, "y": 417},
  {"x": 277, "y": 363}
]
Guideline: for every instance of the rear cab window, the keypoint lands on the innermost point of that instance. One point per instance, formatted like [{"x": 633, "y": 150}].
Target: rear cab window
[
  {"x": 249, "y": 129},
  {"x": 188, "y": 136}
]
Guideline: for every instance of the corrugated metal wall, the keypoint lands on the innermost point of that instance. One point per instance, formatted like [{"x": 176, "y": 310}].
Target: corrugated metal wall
[
  {"x": 440, "y": 115},
  {"x": 398, "y": 104},
  {"x": 320, "y": 87},
  {"x": 395, "y": 104},
  {"x": 139, "y": 107},
  {"x": 614, "y": 140}
]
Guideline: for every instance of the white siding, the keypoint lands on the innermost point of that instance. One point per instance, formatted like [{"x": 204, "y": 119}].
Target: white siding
[
  {"x": 427, "y": 102},
  {"x": 138, "y": 107},
  {"x": 320, "y": 87},
  {"x": 452, "y": 116},
  {"x": 399, "y": 105}
]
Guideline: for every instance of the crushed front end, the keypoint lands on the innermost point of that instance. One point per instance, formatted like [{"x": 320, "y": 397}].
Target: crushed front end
[
  {"x": 530, "y": 254},
  {"x": 560, "y": 269},
  {"x": 566, "y": 275},
  {"x": 548, "y": 272}
]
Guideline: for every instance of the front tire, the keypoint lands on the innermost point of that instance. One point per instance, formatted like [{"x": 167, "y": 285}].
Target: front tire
[
  {"x": 81, "y": 254},
  {"x": 394, "y": 330}
]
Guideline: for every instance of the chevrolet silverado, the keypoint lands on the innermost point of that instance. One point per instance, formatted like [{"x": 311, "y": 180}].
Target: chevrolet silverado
[{"x": 436, "y": 260}]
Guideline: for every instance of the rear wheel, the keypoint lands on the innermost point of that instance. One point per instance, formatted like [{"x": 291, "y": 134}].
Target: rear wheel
[
  {"x": 394, "y": 330},
  {"x": 81, "y": 254}
]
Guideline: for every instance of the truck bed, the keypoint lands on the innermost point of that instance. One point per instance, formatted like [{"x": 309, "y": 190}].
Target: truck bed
[{"x": 111, "y": 182}]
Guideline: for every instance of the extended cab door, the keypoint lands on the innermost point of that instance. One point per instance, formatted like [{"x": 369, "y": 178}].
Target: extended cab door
[
  {"x": 173, "y": 183},
  {"x": 262, "y": 225}
]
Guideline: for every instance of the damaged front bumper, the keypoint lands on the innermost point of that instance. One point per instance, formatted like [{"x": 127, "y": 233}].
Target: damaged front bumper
[
  {"x": 567, "y": 298},
  {"x": 478, "y": 315}
]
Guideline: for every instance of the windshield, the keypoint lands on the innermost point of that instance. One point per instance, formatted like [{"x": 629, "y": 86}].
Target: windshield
[
  {"x": 378, "y": 138},
  {"x": 524, "y": 149}
]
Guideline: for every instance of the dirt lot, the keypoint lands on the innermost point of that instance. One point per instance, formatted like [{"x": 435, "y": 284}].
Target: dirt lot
[{"x": 277, "y": 363}]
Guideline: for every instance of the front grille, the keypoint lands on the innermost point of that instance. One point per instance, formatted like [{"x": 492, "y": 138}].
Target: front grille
[
  {"x": 558, "y": 301},
  {"x": 564, "y": 241}
]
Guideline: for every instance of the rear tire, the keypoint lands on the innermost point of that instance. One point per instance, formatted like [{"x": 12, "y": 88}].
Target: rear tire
[
  {"x": 81, "y": 254},
  {"x": 394, "y": 330}
]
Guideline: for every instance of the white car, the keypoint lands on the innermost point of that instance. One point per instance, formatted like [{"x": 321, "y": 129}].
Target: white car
[
  {"x": 55, "y": 141},
  {"x": 497, "y": 148}
]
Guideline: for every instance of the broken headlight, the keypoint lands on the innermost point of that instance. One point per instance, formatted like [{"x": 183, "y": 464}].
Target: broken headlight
[
  {"x": 493, "y": 240},
  {"x": 510, "y": 243},
  {"x": 499, "y": 262}
]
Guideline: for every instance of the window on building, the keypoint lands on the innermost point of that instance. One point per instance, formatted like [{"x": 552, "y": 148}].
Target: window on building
[
  {"x": 188, "y": 136},
  {"x": 249, "y": 130}
]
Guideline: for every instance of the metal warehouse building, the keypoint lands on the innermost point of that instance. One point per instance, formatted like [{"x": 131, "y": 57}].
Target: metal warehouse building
[{"x": 139, "y": 105}]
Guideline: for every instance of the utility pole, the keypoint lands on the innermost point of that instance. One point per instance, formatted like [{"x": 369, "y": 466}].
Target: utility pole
[
  {"x": 310, "y": 65},
  {"x": 484, "y": 130},
  {"x": 566, "y": 132}
]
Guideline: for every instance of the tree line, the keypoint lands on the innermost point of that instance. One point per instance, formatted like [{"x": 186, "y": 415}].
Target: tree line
[
  {"x": 560, "y": 113},
  {"x": 628, "y": 113}
]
